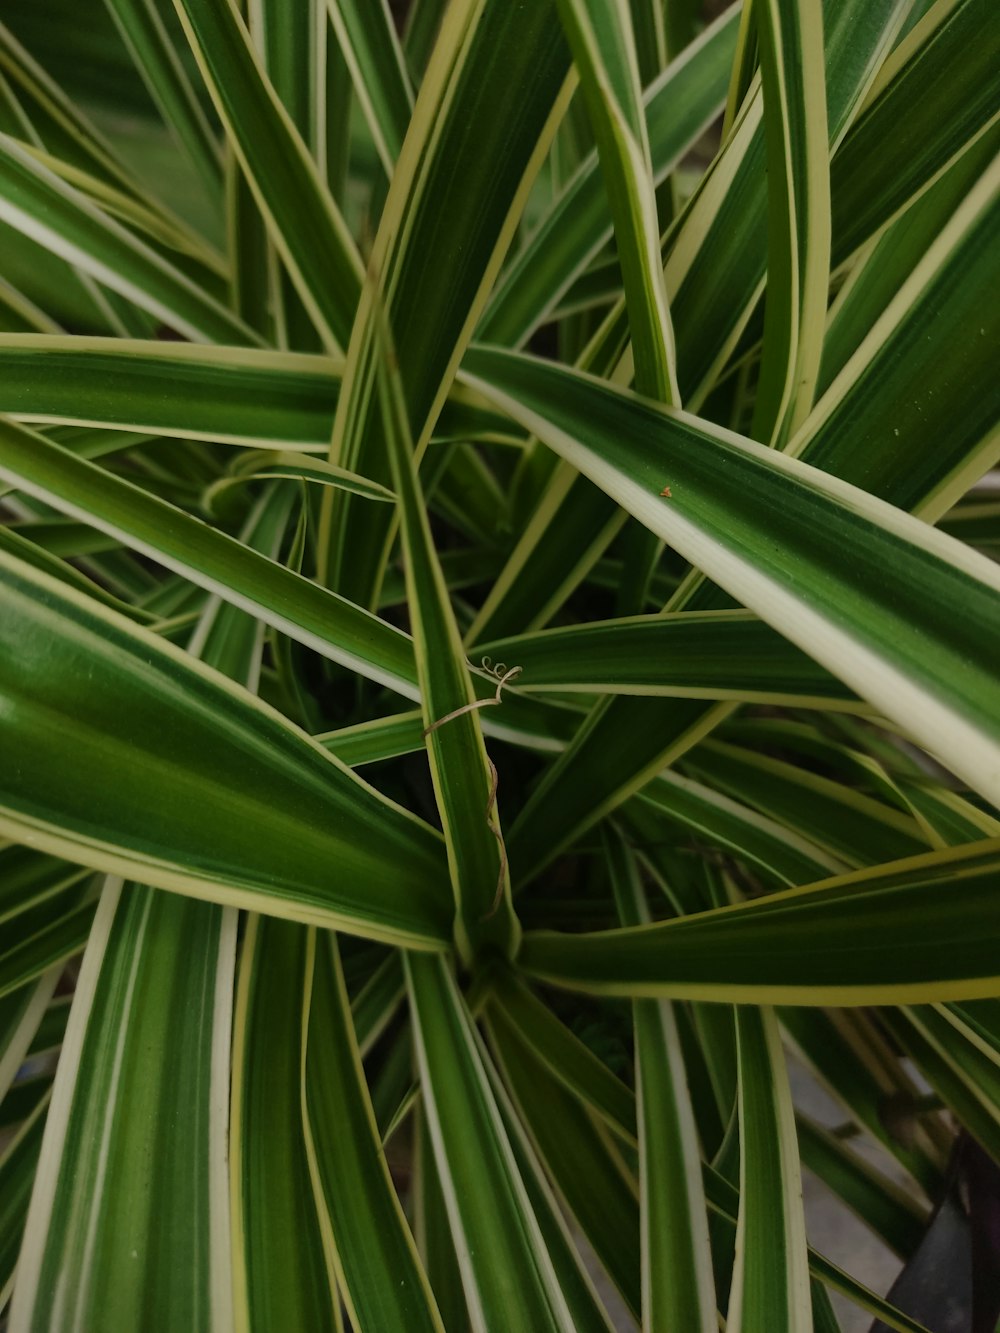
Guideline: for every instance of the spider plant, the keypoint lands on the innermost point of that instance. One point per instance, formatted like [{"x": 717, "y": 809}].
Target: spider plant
[{"x": 498, "y": 651}]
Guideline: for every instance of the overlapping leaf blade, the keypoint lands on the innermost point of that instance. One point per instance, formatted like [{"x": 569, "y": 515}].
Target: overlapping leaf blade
[
  {"x": 801, "y": 946},
  {"x": 724, "y": 516},
  {"x": 230, "y": 762}
]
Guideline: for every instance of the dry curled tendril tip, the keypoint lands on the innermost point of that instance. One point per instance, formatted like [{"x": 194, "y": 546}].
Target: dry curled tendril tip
[{"x": 501, "y": 673}]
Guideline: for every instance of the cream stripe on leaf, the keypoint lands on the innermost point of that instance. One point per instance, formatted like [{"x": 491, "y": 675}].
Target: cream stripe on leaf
[
  {"x": 507, "y": 1273},
  {"x": 603, "y": 44},
  {"x": 148, "y": 1242},
  {"x": 771, "y": 532},
  {"x": 36, "y": 202},
  {"x": 678, "y": 1288},
  {"x": 381, "y": 1279},
  {"x": 464, "y": 778},
  {"x": 506, "y": 69},
  {"x": 232, "y": 762},
  {"x": 798, "y": 231},
  {"x": 770, "y": 1291},
  {"x": 303, "y": 221},
  {"x": 908, "y": 932}
]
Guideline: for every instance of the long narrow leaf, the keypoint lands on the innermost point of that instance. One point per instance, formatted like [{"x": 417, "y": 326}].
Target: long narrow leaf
[
  {"x": 771, "y": 1276},
  {"x": 383, "y": 1283},
  {"x": 143, "y": 1228},
  {"x": 512, "y": 64},
  {"x": 603, "y": 44},
  {"x": 303, "y": 220},
  {"x": 464, "y": 778},
  {"x": 790, "y": 39},
  {"x": 36, "y": 202},
  {"x": 786, "y": 565},
  {"x": 677, "y": 1284},
  {"x": 506, "y": 1271},
  {"x": 280, "y": 1271},
  {"x": 151, "y": 47},
  {"x": 231, "y": 763},
  {"x": 882, "y": 936}
]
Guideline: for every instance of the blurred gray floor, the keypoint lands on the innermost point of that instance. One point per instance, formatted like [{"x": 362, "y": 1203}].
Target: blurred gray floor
[{"x": 832, "y": 1228}]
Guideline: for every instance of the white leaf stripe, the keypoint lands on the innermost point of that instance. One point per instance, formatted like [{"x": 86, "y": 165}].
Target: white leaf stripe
[{"x": 937, "y": 708}]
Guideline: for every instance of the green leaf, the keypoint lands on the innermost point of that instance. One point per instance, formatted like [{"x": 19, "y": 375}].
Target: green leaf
[
  {"x": 882, "y": 936},
  {"x": 691, "y": 655},
  {"x": 506, "y": 1270},
  {"x": 288, "y": 464},
  {"x": 771, "y": 1275},
  {"x": 143, "y": 1228},
  {"x": 854, "y": 1063},
  {"x": 888, "y": 1209},
  {"x": 717, "y": 259},
  {"x": 464, "y": 778},
  {"x": 771, "y": 531},
  {"x": 280, "y": 1270},
  {"x": 628, "y": 742},
  {"x": 594, "y": 1184},
  {"x": 678, "y": 1290},
  {"x": 367, "y": 38},
  {"x": 59, "y": 121},
  {"x": 16, "y": 544},
  {"x": 380, "y": 1275},
  {"x": 36, "y": 202},
  {"x": 46, "y": 938},
  {"x": 922, "y": 111},
  {"x": 379, "y": 738},
  {"x": 293, "y": 49},
  {"x": 504, "y": 70},
  {"x": 888, "y": 262},
  {"x": 231, "y": 763},
  {"x": 18, "y": 1164},
  {"x": 780, "y": 855},
  {"x": 678, "y": 106},
  {"x": 210, "y": 558},
  {"x": 432, "y": 1232},
  {"x": 603, "y": 45},
  {"x": 21, "y": 1012},
  {"x": 172, "y": 239},
  {"x": 722, "y": 1197},
  {"x": 956, "y": 1062},
  {"x": 582, "y": 1299},
  {"x": 243, "y": 396},
  {"x": 850, "y": 826},
  {"x": 922, "y": 439},
  {"x": 568, "y": 1059},
  {"x": 304, "y": 222},
  {"x": 790, "y": 39},
  {"x": 714, "y": 287},
  {"x": 151, "y": 47}
]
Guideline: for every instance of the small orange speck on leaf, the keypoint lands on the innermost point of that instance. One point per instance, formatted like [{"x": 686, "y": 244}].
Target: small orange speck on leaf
[{"x": 666, "y": 492}]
